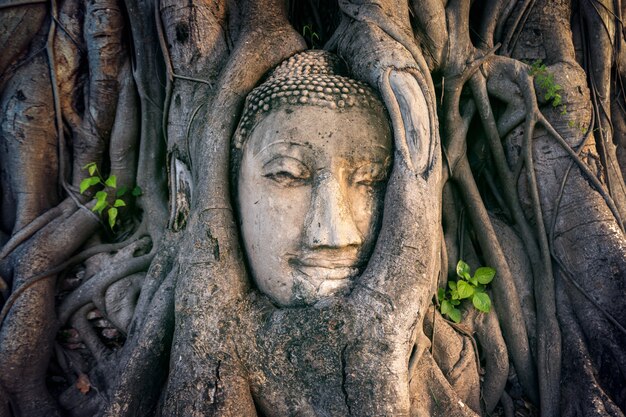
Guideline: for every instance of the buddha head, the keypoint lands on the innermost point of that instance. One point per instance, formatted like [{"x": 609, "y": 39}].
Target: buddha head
[{"x": 311, "y": 157}]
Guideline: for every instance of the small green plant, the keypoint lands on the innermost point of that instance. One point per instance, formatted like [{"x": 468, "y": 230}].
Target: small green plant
[
  {"x": 102, "y": 196},
  {"x": 309, "y": 34},
  {"x": 577, "y": 125},
  {"x": 466, "y": 287},
  {"x": 545, "y": 80}
]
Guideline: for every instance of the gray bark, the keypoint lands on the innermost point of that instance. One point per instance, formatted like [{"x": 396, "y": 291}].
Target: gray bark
[{"x": 486, "y": 169}]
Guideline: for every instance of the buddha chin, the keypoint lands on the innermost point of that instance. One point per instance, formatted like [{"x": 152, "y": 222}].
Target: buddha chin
[{"x": 324, "y": 273}]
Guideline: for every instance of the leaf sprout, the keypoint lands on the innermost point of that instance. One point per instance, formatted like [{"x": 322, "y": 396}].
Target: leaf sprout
[
  {"x": 466, "y": 287},
  {"x": 102, "y": 196}
]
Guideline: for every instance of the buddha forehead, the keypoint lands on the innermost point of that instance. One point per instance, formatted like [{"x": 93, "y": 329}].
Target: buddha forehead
[
  {"x": 313, "y": 78},
  {"x": 352, "y": 134}
]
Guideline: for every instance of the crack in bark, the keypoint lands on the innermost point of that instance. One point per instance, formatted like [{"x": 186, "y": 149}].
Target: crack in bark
[
  {"x": 217, "y": 382},
  {"x": 344, "y": 378},
  {"x": 214, "y": 243}
]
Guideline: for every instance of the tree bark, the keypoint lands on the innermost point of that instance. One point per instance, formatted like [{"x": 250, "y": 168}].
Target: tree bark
[{"x": 124, "y": 287}]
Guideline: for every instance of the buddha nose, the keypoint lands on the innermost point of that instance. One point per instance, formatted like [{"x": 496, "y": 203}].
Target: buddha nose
[{"x": 330, "y": 221}]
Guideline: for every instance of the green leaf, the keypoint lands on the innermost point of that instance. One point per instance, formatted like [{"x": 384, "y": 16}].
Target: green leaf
[
  {"x": 111, "y": 181},
  {"x": 462, "y": 268},
  {"x": 88, "y": 182},
  {"x": 485, "y": 274},
  {"x": 455, "y": 302},
  {"x": 441, "y": 294},
  {"x": 473, "y": 280},
  {"x": 101, "y": 196},
  {"x": 454, "y": 294},
  {"x": 455, "y": 315},
  {"x": 137, "y": 191},
  {"x": 84, "y": 184},
  {"x": 448, "y": 309},
  {"x": 112, "y": 216},
  {"x": 91, "y": 167},
  {"x": 465, "y": 290},
  {"x": 482, "y": 302},
  {"x": 119, "y": 203},
  {"x": 101, "y": 204},
  {"x": 121, "y": 191}
]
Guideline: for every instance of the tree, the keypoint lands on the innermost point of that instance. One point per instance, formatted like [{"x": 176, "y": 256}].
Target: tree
[{"x": 509, "y": 126}]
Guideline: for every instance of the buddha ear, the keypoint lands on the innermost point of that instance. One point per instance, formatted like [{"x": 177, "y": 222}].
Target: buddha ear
[{"x": 410, "y": 117}]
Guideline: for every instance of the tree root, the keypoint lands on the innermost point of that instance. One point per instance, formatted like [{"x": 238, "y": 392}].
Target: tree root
[
  {"x": 159, "y": 268},
  {"x": 31, "y": 228},
  {"x": 518, "y": 24},
  {"x": 589, "y": 398},
  {"x": 548, "y": 332},
  {"x": 584, "y": 168},
  {"x": 56, "y": 99},
  {"x": 53, "y": 271},
  {"x": 494, "y": 351},
  {"x": 504, "y": 287},
  {"x": 507, "y": 405},
  {"x": 96, "y": 286},
  {"x": 16, "y": 3},
  {"x": 150, "y": 175},
  {"x": 434, "y": 396},
  {"x": 456, "y": 354},
  {"x": 87, "y": 334},
  {"x": 146, "y": 353}
]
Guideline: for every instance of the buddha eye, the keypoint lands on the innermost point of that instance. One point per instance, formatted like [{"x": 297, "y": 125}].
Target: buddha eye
[
  {"x": 286, "y": 171},
  {"x": 370, "y": 174}
]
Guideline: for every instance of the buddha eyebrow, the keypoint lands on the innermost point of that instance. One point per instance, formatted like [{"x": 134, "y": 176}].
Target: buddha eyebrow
[{"x": 280, "y": 142}]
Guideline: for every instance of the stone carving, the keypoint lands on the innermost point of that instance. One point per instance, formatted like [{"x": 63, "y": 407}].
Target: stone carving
[{"x": 312, "y": 155}]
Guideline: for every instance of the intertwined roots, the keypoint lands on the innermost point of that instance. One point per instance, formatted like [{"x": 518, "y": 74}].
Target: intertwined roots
[{"x": 83, "y": 84}]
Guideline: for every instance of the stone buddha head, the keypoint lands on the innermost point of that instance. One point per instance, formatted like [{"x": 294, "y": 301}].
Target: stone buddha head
[{"x": 311, "y": 157}]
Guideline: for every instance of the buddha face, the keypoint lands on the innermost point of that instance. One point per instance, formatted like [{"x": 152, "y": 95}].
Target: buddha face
[{"x": 310, "y": 188}]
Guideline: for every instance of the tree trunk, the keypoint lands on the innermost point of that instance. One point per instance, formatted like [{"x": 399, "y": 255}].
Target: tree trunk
[{"x": 125, "y": 287}]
